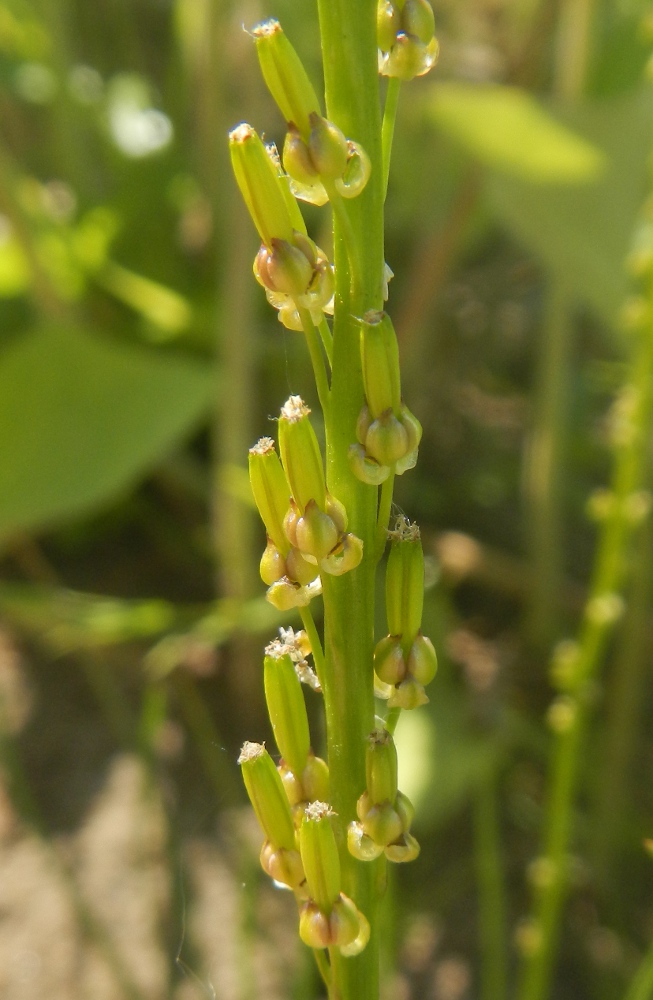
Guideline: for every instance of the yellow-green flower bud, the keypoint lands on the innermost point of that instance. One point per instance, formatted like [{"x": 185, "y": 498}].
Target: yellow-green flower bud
[
  {"x": 283, "y": 267},
  {"x": 345, "y": 927},
  {"x": 300, "y": 454},
  {"x": 286, "y": 594},
  {"x": 327, "y": 147},
  {"x": 409, "y": 57},
  {"x": 413, "y": 430},
  {"x": 408, "y": 695},
  {"x": 380, "y": 362},
  {"x": 361, "y": 845},
  {"x": 406, "y": 849},
  {"x": 316, "y": 533},
  {"x": 260, "y": 186},
  {"x": 315, "y": 779},
  {"x": 365, "y": 468},
  {"x": 284, "y": 866},
  {"x": 405, "y": 809},
  {"x": 417, "y": 19},
  {"x": 383, "y": 824},
  {"x": 287, "y": 711},
  {"x": 299, "y": 569},
  {"x": 271, "y": 490},
  {"x": 314, "y": 926},
  {"x": 387, "y": 440},
  {"x": 285, "y": 76},
  {"x": 381, "y": 767},
  {"x": 346, "y": 556},
  {"x": 297, "y": 160},
  {"x": 388, "y": 24},
  {"x": 389, "y": 662},
  {"x": 319, "y": 851},
  {"x": 422, "y": 660},
  {"x": 267, "y": 796},
  {"x": 273, "y": 565},
  {"x": 404, "y": 583},
  {"x": 336, "y": 512}
]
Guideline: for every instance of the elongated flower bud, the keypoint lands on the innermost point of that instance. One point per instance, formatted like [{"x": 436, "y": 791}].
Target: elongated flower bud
[
  {"x": 260, "y": 186},
  {"x": 404, "y": 584},
  {"x": 285, "y": 76},
  {"x": 267, "y": 796},
  {"x": 380, "y": 361},
  {"x": 287, "y": 711},
  {"x": 319, "y": 851},
  {"x": 300, "y": 454},
  {"x": 381, "y": 767},
  {"x": 271, "y": 490}
]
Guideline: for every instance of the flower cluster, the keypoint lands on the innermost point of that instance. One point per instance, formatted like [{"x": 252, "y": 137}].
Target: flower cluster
[{"x": 406, "y": 36}]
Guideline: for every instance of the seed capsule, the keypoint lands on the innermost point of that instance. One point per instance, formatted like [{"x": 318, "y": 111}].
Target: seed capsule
[
  {"x": 287, "y": 711},
  {"x": 259, "y": 185},
  {"x": 267, "y": 796},
  {"x": 285, "y": 76}
]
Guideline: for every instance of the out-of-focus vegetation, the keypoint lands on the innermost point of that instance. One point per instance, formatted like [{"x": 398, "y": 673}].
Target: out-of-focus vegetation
[{"x": 137, "y": 364}]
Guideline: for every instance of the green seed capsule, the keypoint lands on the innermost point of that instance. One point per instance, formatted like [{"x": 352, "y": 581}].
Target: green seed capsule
[
  {"x": 389, "y": 662},
  {"x": 287, "y": 711},
  {"x": 365, "y": 468},
  {"x": 271, "y": 490},
  {"x": 286, "y": 268},
  {"x": 299, "y": 569},
  {"x": 285, "y": 76},
  {"x": 417, "y": 19},
  {"x": 327, "y": 147},
  {"x": 388, "y": 24},
  {"x": 273, "y": 565},
  {"x": 346, "y": 556},
  {"x": 404, "y": 584},
  {"x": 315, "y": 779},
  {"x": 386, "y": 441},
  {"x": 422, "y": 660},
  {"x": 317, "y": 845},
  {"x": 381, "y": 767},
  {"x": 300, "y": 454},
  {"x": 267, "y": 796},
  {"x": 380, "y": 362},
  {"x": 296, "y": 158},
  {"x": 316, "y": 533},
  {"x": 383, "y": 824},
  {"x": 259, "y": 185}
]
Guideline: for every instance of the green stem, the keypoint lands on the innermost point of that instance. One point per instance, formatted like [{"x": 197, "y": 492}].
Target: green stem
[
  {"x": 388, "y": 129},
  {"x": 391, "y": 719},
  {"x": 327, "y": 339},
  {"x": 631, "y": 423},
  {"x": 383, "y": 518},
  {"x": 313, "y": 637},
  {"x": 324, "y": 969},
  {"x": 317, "y": 360},
  {"x": 491, "y": 892},
  {"x": 341, "y": 214}
]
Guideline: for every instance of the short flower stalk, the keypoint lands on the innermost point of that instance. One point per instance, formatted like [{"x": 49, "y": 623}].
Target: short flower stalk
[{"x": 330, "y": 825}]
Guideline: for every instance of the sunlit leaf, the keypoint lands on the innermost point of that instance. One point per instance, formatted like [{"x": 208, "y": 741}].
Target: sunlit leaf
[
  {"x": 508, "y": 130},
  {"x": 83, "y": 418}
]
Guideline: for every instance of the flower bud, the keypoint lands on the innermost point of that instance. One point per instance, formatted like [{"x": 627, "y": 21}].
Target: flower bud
[
  {"x": 267, "y": 796},
  {"x": 361, "y": 845},
  {"x": 357, "y": 172},
  {"x": 284, "y": 268},
  {"x": 383, "y": 824},
  {"x": 417, "y": 19},
  {"x": 408, "y": 57},
  {"x": 297, "y": 160},
  {"x": 336, "y": 512},
  {"x": 319, "y": 852},
  {"x": 346, "y": 556},
  {"x": 287, "y": 711},
  {"x": 315, "y": 779},
  {"x": 408, "y": 695},
  {"x": 381, "y": 767},
  {"x": 422, "y": 660},
  {"x": 300, "y": 454},
  {"x": 259, "y": 184},
  {"x": 344, "y": 927},
  {"x": 387, "y": 440},
  {"x": 314, "y": 926},
  {"x": 327, "y": 147},
  {"x": 271, "y": 491},
  {"x": 389, "y": 662},
  {"x": 405, "y": 810},
  {"x": 406, "y": 849},
  {"x": 388, "y": 24},
  {"x": 284, "y": 866},
  {"x": 286, "y": 594},
  {"x": 404, "y": 583},
  {"x": 299, "y": 569},
  {"x": 316, "y": 533},
  {"x": 285, "y": 76},
  {"x": 413, "y": 430},
  {"x": 273, "y": 565},
  {"x": 365, "y": 468},
  {"x": 380, "y": 363}
]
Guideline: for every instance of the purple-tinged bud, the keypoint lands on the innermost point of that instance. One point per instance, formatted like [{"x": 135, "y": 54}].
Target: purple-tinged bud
[
  {"x": 389, "y": 662},
  {"x": 287, "y": 269},
  {"x": 285, "y": 75}
]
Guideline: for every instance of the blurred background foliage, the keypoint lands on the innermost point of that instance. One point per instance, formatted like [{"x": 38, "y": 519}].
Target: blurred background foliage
[{"x": 138, "y": 361}]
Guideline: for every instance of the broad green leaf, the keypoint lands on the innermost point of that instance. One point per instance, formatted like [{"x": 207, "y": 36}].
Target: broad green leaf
[
  {"x": 82, "y": 418},
  {"x": 508, "y": 130},
  {"x": 582, "y": 234}
]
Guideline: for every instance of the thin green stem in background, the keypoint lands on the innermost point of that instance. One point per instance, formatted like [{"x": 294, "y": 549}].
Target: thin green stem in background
[
  {"x": 317, "y": 360},
  {"x": 327, "y": 339},
  {"x": 388, "y": 128},
  {"x": 641, "y": 988},
  {"x": 491, "y": 891}
]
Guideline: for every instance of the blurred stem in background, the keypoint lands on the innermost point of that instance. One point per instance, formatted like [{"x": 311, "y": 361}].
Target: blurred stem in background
[{"x": 491, "y": 889}]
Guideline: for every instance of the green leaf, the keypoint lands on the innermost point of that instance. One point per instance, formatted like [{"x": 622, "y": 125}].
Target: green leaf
[
  {"x": 583, "y": 235},
  {"x": 83, "y": 418},
  {"x": 508, "y": 130}
]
